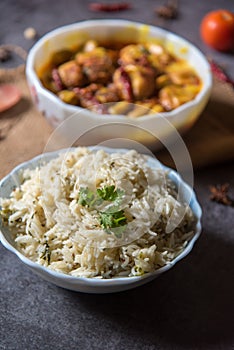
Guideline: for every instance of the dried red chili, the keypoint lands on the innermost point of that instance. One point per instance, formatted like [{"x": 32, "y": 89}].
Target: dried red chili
[
  {"x": 98, "y": 6},
  {"x": 220, "y": 74}
]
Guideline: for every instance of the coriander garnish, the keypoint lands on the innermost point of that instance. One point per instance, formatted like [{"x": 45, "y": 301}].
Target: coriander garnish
[{"x": 112, "y": 219}]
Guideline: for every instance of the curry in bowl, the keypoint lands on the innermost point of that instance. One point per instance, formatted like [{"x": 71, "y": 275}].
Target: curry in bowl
[{"x": 131, "y": 79}]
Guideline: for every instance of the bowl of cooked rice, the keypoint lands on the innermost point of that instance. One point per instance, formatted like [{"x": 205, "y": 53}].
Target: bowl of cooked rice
[
  {"x": 97, "y": 219},
  {"x": 118, "y": 72}
]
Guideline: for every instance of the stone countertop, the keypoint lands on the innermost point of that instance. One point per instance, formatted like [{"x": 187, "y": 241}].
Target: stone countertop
[{"x": 190, "y": 306}]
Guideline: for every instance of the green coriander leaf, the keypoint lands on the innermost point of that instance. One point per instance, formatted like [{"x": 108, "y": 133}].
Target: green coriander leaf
[
  {"x": 112, "y": 220},
  {"x": 144, "y": 50},
  {"x": 108, "y": 193},
  {"x": 86, "y": 197},
  {"x": 105, "y": 220},
  {"x": 118, "y": 231}
]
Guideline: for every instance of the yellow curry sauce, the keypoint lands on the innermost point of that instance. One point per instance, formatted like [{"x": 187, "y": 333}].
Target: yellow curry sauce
[{"x": 131, "y": 79}]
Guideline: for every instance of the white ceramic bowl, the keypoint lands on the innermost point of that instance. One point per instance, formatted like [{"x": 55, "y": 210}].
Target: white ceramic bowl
[
  {"x": 56, "y": 111},
  {"x": 93, "y": 285}
]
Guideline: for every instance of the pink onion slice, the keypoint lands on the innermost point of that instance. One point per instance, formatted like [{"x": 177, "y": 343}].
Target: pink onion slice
[{"x": 9, "y": 96}]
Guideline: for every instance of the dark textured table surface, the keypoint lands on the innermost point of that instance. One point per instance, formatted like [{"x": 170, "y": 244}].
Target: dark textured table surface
[{"x": 189, "y": 307}]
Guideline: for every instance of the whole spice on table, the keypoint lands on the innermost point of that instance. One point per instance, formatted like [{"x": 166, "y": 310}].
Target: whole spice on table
[
  {"x": 168, "y": 10},
  {"x": 6, "y": 51},
  {"x": 105, "y": 7},
  {"x": 5, "y": 54},
  {"x": 220, "y": 74},
  {"x": 219, "y": 194},
  {"x": 30, "y": 33}
]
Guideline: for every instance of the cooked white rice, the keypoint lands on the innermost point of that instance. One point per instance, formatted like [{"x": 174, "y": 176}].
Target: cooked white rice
[{"x": 54, "y": 230}]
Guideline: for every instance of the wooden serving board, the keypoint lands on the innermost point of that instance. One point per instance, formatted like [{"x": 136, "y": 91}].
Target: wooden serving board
[{"x": 24, "y": 132}]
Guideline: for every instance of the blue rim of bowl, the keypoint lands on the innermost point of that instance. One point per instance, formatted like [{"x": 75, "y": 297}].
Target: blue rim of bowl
[{"x": 97, "y": 280}]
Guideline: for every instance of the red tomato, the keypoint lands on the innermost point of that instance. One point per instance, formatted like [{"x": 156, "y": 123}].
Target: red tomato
[{"x": 217, "y": 30}]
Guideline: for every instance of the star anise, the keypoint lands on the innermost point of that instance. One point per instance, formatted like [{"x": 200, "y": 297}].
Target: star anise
[{"x": 219, "y": 194}]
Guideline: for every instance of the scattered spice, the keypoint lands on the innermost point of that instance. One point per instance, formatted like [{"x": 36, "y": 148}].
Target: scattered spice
[
  {"x": 5, "y": 54},
  {"x": 30, "y": 33},
  {"x": 168, "y": 10},
  {"x": 7, "y": 50},
  {"x": 104, "y": 7},
  {"x": 219, "y": 194},
  {"x": 220, "y": 74}
]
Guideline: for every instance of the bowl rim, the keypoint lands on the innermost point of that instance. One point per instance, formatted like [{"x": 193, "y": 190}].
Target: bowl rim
[
  {"x": 32, "y": 75},
  {"x": 98, "y": 281}
]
